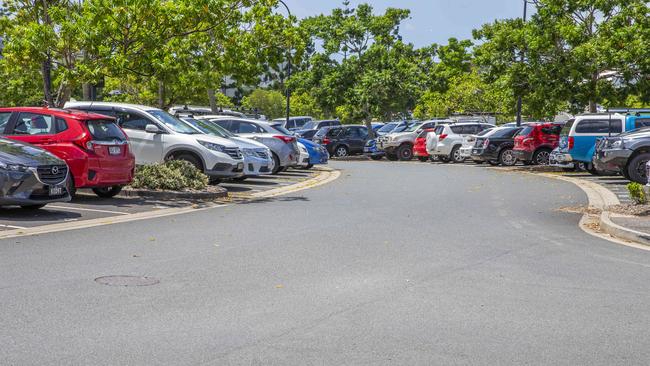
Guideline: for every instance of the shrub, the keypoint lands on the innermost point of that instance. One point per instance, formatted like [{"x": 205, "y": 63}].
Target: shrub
[
  {"x": 637, "y": 193},
  {"x": 174, "y": 175}
]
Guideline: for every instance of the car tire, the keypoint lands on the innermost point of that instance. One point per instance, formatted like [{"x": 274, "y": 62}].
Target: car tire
[
  {"x": 341, "y": 151},
  {"x": 405, "y": 152},
  {"x": 376, "y": 157},
  {"x": 444, "y": 159},
  {"x": 423, "y": 159},
  {"x": 108, "y": 192},
  {"x": 190, "y": 159},
  {"x": 32, "y": 207},
  {"x": 276, "y": 164},
  {"x": 625, "y": 174},
  {"x": 391, "y": 157},
  {"x": 507, "y": 157},
  {"x": 542, "y": 157},
  {"x": 455, "y": 155},
  {"x": 636, "y": 168}
]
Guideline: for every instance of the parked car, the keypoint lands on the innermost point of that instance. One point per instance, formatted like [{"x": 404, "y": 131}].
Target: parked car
[
  {"x": 468, "y": 145},
  {"x": 399, "y": 145},
  {"x": 343, "y": 140},
  {"x": 187, "y": 111},
  {"x": 317, "y": 154},
  {"x": 578, "y": 137},
  {"x": 420, "y": 146},
  {"x": 257, "y": 157},
  {"x": 31, "y": 177},
  {"x": 372, "y": 151},
  {"x": 295, "y": 123},
  {"x": 310, "y": 128},
  {"x": 447, "y": 139},
  {"x": 156, "y": 136},
  {"x": 94, "y": 147},
  {"x": 496, "y": 146},
  {"x": 283, "y": 145},
  {"x": 627, "y": 153},
  {"x": 388, "y": 128},
  {"x": 535, "y": 142}
]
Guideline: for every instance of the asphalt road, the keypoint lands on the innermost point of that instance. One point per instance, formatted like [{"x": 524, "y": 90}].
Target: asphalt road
[{"x": 392, "y": 264}]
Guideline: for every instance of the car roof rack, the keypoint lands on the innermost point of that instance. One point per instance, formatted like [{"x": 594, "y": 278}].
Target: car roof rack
[{"x": 636, "y": 111}]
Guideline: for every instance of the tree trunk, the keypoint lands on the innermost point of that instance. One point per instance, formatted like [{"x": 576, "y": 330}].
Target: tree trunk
[
  {"x": 46, "y": 71},
  {"x": 368, "y": 118},
  {"x": 161, "y": 94},
  {"x": 593, "y": 107},
  {"x": 87, "y": 91},
  {"x": 213, "y": 100}
]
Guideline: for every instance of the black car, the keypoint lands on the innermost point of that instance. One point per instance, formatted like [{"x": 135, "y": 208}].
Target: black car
[
  {"x": 627, "y": 154},
  {"x": 310, "y": 128},
  {"x": 31, "y": 177},
  {"x": 496, "y": 146},
  {"x": 344, "y": 140}
]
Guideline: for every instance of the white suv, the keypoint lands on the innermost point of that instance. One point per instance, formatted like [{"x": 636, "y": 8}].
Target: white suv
[
  {"x": 156, "y": 136},
  {"x": 446, "y": 141}
]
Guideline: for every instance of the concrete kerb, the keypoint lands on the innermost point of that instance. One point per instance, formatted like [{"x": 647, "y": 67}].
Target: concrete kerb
[{"x": 601, "y": 198}]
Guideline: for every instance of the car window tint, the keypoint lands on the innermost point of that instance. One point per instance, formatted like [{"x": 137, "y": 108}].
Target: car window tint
[
  {"x": 599, "y": 126},
  {"x": 132, "y": 121},
  {"x": 334, "y": 132},
  {"x": 566, "y": 129},
  {"x": 641, "y": 122},
  {"x": 105, "y": 130},
  {"x": 245, "y": 127},
  {"x": 33, "y": 124},
  {"x": 4, "y": 119},
  {"x": 61, "y": 125},
  {"x": 457, "y": 129},
  {"x": 526, "y": 131},
  {"x": 439, "y": 130},
  {"x": 505, "y": 133}
]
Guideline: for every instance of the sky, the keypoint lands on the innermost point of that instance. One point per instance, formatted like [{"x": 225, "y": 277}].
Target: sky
[{"x": 432, "y": 21}]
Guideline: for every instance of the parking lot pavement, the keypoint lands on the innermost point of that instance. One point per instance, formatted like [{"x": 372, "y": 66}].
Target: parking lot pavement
[{"x": 87, "y": 206}]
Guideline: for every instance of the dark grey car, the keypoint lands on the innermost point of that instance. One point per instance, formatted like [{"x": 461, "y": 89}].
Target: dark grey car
[{"x": 31, "y": 177}]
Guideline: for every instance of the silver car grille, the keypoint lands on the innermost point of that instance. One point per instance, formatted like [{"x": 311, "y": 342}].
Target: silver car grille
[
  {"x": 52, "y": 174},
  {"x": 234, "y": 152}
]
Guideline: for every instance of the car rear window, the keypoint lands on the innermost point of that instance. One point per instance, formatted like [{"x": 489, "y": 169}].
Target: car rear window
[
  {"x": 439, "y": 130},
  {"x": 599, "y": 126},
  {"x": 567, "y": 127},
  {"x": 505, "y": 132},
  {"x": 526, "y": 131},
  {"x": 105, "y": 130},
  {"x": 334, "y": 132}
]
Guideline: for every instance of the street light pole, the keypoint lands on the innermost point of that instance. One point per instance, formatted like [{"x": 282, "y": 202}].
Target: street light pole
[
  {"x": 288, "y": 91},
  {"x": 519, "y": 99}
]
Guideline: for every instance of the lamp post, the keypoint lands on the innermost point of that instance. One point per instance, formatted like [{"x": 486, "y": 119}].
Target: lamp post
[
  {"x": 288, "y": 91},
  {"x": 522, "y": 59}
]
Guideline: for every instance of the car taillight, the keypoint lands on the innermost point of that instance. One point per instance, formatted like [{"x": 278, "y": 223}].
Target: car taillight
[
  {"x": 571, "y": 142},
  {"x": 442, "y": 137},
  {"x": 85, "y": 142},
  {"x": 326, "y": 140},
  {"x": 486, "y": 142},
  {"x": 285, "y": 139}
]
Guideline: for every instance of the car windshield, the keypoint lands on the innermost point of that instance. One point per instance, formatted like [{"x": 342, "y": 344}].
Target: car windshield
[
  {"x": 105, "y": 130},
  {"x": 310, "y": 125},
  {"x": 413, "y": 127},
  {"x": 387, "y": 127},
  {"x": 209, "y": 128},
  {"x": 173, "y": 123}
]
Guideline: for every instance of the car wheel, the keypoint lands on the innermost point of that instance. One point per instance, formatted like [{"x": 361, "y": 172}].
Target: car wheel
[
  {"x": 391, "y": 157},
  {"x": 455, "y": 155},
  {"x": 405, "y": 152},
  {"x": 32, "y": 207},
  {"x": 542, "y": 157},
  {"x": 107, "y": 192},
  {"x": 341, "y": 151},
  {"x": 376, "y": 157},
  {"x": 443, "y": 159},
  {"x": 625, "y": 174},
  {"x": 636, "y": 168},
  {"x": 190, "y": 159},
  {"x": 507, "y": 158},
  {"x": 423, "y": 159},
  {"x": 276, "y": 165}
]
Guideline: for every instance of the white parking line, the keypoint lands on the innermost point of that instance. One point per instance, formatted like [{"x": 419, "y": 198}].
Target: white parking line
[
  {"x": 88, "y": 209},
  {"x": 12, "y": 226}
]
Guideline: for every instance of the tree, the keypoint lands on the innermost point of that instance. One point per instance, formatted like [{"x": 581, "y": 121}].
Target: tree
[{"x": 271, "y": 103}]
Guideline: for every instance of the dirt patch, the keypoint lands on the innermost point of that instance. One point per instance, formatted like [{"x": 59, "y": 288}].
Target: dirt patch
[{"x": 631, "y": 209}]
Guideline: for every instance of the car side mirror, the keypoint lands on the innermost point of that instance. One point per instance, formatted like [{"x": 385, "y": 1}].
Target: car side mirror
[{"x": 151, "y": 128}]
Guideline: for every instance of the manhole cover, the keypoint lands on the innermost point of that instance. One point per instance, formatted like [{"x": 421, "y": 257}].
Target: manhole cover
[{"x": 127, "y": 281}]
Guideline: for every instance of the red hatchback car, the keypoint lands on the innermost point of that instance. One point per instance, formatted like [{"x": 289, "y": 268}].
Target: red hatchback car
[
  {"x": 420, "y": 145},
  {"x": 94, "y": 146},
  {"x": 534, "y": 143}
]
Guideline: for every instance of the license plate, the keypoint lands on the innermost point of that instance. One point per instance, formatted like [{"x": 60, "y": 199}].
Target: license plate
[
  {"x": 56, "y": 191},
  {"x": 475, "y": 151},
  {"x": 114, "y": 150}
]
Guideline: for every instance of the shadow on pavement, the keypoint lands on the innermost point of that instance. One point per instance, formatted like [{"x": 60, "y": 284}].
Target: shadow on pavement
[{"x": 20, "y": 215}]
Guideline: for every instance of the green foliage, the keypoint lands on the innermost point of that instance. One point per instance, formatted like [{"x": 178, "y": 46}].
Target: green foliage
[
  {"x": 304, "y": 104},
  {"x": 270, "y": 103},
  {"x": 174, "y": 175},
  {"x": 637, "y": 193}
]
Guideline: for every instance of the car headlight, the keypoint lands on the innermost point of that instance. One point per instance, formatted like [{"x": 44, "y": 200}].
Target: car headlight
[
  {"x": 618, "y": 144},
  {"x": 13, "y": 167},
  {"x": 248, "y": 152},
  {"x": 212, "y": 146}
]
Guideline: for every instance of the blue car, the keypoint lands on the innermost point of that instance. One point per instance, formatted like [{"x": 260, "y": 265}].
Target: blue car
[
  {"x": 317, "y": 153},
  {"x": 579, "y": 136},
  {"x": 372, "y": 151}
]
